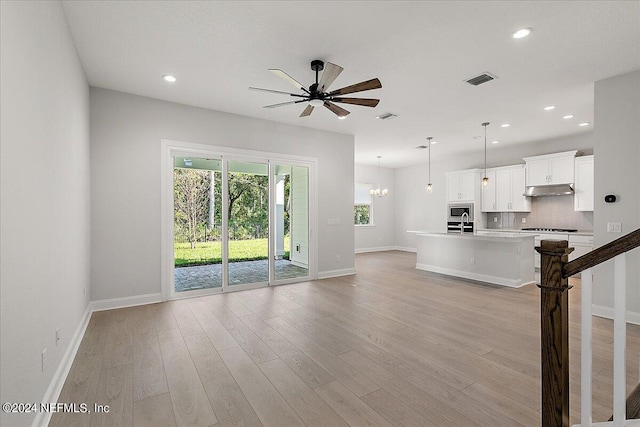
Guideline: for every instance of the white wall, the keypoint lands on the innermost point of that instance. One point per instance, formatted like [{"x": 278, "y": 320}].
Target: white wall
[
  {"x": 617, "y": 171},
  {"x": 126, "y": 133},
  {"x": 380, "y": 235},
  {"x": 299, "y": 218},
  {"x": 44, "y": 201},
  {"x": 415, "y": 209}
]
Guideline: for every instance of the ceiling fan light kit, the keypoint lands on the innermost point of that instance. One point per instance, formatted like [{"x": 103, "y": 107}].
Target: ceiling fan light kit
[{"x": 317, "y": 94}]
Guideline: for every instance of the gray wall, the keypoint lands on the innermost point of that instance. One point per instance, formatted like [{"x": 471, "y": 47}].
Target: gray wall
[
  {"x": 44, "y": 202},
  {"x": 617, "y": 171},
  {"x": 126, "y": 133},
  {"x": 381, "y": 234}
]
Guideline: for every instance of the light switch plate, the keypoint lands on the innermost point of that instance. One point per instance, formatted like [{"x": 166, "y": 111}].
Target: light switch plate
[{"x": 614, "y": 227}]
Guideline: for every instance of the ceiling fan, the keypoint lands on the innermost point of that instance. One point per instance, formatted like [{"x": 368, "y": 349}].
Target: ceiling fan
[{"x": 318, "y": 94}]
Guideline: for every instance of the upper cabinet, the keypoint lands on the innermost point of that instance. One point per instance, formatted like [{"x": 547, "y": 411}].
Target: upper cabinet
[
  {"x": 583, "y": 198},
  {"x": 462, "y": 185},
  {"x": 505, "y": 192},
  {"x": 550, "y": 169},
  {"x": 489, "y": 193}
]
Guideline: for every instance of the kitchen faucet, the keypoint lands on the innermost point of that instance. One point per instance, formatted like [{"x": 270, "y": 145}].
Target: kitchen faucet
[{"x": 462, "y": 220}]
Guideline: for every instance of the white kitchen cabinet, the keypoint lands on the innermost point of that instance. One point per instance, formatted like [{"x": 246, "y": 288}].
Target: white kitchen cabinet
[
  {"x": 462, "y": 185},
  {"x": 489, "y": 193},
  {"x": 505, "y": 191},
  {"x": 550, "y": 169},
  {"x": 581, "y": 245},
  {"x": 584, "y": 174}
]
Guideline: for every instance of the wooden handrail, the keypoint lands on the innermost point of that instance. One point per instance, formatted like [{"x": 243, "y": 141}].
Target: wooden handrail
[
  {"x": 554, "y": 316},
  {"x": 602, "y": 254}
]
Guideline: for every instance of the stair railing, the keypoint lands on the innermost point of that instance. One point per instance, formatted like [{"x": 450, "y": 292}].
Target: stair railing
[{"x": 554, "y": 304}]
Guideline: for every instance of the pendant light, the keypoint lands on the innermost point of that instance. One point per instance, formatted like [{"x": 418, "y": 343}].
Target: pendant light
[
  {"x": 379, "y": 191},
  {"x": 485, "y": 180},
  {"x": 429, "y": 186}
]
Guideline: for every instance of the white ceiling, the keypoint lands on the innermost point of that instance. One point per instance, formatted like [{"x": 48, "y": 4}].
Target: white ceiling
[{"x": 421, "y": 51}]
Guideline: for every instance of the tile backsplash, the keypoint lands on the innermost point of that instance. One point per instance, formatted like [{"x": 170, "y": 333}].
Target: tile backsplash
[{"x": 548, "y": 212}]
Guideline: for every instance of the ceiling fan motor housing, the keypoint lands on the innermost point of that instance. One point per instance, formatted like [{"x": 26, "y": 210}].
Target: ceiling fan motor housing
[{"x": 317, "y": 65}]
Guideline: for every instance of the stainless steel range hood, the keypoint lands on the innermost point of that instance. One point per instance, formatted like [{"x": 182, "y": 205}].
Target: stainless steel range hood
[{"x": 549, "y": 190}]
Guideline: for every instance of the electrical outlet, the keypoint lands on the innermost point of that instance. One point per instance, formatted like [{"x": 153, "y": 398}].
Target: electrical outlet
[
  {"x": 44, "y": 358},
  {"x": 473, "y": 260},
  {"x": 337, "y": 258},
  {"x": 614, "y": 227},
  {"x": 524, "y": 220},
  {"x": 57, "y": 336},
  {"x": 495, "y": 219}
]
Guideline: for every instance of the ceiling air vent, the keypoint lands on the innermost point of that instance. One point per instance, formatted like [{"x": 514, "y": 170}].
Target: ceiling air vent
[
  {"x": 385, "y": 116},
  {"x": 482, "y": 78},
  {"x": 422, "y": 147}
]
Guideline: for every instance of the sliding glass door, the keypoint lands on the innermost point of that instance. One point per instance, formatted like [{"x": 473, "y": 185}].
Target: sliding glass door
[
  {"x": 248, "y": 222},
  {"x": 197, "y": 223},
  {"x": 238, "y": 223},
  {"x": 291, "y": 222}
]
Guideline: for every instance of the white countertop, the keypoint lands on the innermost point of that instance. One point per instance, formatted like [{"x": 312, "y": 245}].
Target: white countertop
[
  {"x": 473, "y": 236},
  {"x": 505, "y": 230}
]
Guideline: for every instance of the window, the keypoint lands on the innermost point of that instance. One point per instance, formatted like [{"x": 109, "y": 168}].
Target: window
[{"x": 362, "y": 214}]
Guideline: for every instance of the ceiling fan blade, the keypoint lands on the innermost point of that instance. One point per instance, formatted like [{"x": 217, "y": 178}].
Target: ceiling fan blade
[
  {"x": 338, "y": 111},
  {"x": 330, "y": 73},
  {"x": 278, "y": 72},
  {"x": 358, "y": 87},
  {"x": 284, "y": 103},
  {"x": 365, "y": 102},
  {"x": 307, "y": 111},
  {"x": 274, "y": 91}
]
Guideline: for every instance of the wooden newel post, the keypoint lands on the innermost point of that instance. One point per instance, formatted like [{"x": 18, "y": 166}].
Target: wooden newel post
[{"x": 554, "y": 313}]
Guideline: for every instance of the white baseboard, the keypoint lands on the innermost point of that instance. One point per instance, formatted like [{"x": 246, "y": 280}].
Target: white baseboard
[
  {"x": 405, "y": 249},
  {"x": 110, "y": 304},
  {"x": 376, "y": 249},
  {"x": 336, "y": 273},
  {"x": 607, "y": 313},
  {"x": 55, "y": 386},
  {"x": 628, "y": 423},
  {"x": 512, "y": 283}
]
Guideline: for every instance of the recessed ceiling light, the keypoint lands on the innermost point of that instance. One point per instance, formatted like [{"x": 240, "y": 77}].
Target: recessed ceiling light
[
  {"x": 522, "y": 33},
  {"x": 584, "y": 124},
  {"x": 550, "y": 107},
  {"x": 505, "y": 125},
  {"x": 568, "y": 116},
  {"x": 168, "y": 78},
  {"x": 495, "y": 142}
]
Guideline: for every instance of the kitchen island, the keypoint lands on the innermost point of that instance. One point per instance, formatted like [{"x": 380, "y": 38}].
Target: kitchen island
[{"x": 505, "y": 259}]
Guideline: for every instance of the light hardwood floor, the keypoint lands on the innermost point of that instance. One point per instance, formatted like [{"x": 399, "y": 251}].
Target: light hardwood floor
[{"x": 389, "y": 346}]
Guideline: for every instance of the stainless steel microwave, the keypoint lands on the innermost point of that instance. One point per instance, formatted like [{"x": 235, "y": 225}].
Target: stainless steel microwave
[{"x": 455, "y": 211}]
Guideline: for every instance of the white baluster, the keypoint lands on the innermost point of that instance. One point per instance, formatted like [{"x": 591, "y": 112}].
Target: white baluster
[
  {"x": 619, "y": 341},
  {"x": 586, "y": 348}
]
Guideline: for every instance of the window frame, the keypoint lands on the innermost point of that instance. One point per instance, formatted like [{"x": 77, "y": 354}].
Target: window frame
[{"x": 357, "y": 203}]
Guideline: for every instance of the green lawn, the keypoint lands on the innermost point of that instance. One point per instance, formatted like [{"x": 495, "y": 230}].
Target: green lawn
[{"x": 211, "y": 252}]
